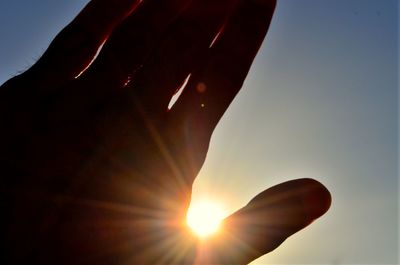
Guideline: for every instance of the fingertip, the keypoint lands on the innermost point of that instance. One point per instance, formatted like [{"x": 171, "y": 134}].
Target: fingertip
[{"x": 317, "y": 198}]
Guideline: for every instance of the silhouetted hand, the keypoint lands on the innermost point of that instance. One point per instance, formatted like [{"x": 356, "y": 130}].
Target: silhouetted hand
[{"x": 97, "y": 170}]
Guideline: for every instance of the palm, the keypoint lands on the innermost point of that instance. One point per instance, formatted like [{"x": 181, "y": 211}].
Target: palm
[
  {"x": 99, "y": 171},
  {"x": 100, "y": 166}
]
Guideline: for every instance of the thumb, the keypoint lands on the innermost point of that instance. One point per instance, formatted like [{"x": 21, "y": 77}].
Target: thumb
[{"x": 266, "y": 221}]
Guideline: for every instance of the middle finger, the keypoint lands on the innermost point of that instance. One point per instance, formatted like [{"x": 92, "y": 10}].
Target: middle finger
[{"x": 183, "y": 47}]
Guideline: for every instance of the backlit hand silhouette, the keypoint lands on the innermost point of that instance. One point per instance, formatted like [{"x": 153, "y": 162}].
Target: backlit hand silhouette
[{"x": 97, "y": 169}]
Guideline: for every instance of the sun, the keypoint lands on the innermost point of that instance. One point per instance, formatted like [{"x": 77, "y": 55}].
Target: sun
[{"x": 204, "y": 217}]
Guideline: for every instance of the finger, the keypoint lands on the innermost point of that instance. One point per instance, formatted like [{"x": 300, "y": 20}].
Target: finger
[
  {"x": 153, "y": 85},
  {"x": 268, "y": 220},
  {"x": 184, "y": 46},
  {"x": 76, "y": 45},
  {"x": 213, "y": 87},
  {"x": 132, "y": 41}
]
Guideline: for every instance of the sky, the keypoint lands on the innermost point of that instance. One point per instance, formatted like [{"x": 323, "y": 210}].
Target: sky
[{"x": 321, "y": 101}]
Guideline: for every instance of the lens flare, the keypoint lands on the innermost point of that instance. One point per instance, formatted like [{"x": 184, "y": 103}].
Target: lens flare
[{"x": 204, "y": 217}]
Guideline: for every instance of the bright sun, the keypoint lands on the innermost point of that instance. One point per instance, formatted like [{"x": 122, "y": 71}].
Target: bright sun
[{"x": 204, "y": 217}]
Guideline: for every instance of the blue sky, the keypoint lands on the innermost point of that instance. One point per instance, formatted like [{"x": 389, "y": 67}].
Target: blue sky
[{"x": 321, "y": 101}]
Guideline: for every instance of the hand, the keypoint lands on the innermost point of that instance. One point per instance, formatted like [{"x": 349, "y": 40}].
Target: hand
[{"x": 96, "y": 169}]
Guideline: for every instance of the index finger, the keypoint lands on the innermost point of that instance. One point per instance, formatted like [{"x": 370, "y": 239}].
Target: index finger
[{"x": 214, "y": 85}]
